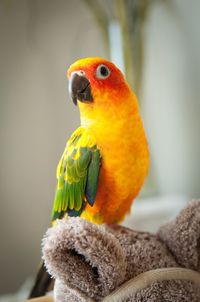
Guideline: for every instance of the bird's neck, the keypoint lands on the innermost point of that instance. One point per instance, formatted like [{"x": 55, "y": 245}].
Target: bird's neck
[{"x": 102, "y": 119}]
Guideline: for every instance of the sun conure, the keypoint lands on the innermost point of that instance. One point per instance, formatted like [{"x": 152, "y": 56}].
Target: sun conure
[{"x": 106, "y": 159}]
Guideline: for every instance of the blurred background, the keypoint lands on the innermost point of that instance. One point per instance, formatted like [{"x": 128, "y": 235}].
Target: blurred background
[{"x": 156, "y": 44}]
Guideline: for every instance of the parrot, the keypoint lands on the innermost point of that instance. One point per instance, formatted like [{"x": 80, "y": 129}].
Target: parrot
[{"x": 106, "y": 160}]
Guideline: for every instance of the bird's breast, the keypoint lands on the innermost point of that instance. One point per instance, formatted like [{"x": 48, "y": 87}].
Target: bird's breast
[{"x": 125, "y": 159}]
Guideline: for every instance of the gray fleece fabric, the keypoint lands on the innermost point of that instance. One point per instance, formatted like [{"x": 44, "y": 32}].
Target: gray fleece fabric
[{"x": 89, "y": 261}]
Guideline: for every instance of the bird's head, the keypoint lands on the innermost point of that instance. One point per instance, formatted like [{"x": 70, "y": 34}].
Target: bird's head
[
  {"x": 100, "y": 89},
  {"x": 96, "y": 80}
]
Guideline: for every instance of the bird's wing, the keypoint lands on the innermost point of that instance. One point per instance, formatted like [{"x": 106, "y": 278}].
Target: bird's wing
[{"x": 77, "y": 175}]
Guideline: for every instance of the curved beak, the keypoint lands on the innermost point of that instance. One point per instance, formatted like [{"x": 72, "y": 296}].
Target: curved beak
[{"x": 79, "y": 89}]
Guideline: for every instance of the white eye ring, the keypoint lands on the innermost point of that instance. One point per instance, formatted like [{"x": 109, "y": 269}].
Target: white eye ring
[{"x": 102, "y": 72}]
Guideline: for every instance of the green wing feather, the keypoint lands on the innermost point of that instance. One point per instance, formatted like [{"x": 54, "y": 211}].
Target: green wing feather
[{"x": 77, "y": 175}]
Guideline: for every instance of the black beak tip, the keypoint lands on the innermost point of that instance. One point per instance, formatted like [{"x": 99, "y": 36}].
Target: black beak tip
[{"x": 74, "y": 100}]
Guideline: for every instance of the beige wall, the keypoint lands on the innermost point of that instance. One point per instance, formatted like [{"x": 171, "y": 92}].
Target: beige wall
[
  {"x": 38, "y": 40},
  {"x": 171, "y": 99}
]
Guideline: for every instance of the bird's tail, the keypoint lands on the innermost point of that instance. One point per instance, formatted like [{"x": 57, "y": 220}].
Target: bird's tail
[{"x": 42, "y": 283}]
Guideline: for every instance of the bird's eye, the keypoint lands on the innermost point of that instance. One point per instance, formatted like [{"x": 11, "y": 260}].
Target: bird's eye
[{"x": 102, "y": 72}]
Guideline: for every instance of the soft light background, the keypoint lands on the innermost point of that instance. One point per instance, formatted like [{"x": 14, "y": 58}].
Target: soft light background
[{"x": 38, "y": 41}]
